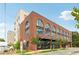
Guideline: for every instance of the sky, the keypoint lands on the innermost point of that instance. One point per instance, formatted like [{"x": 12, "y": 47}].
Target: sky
[
  {"x": 2, "y": 24},
  {"x": 58, "y": 13}
]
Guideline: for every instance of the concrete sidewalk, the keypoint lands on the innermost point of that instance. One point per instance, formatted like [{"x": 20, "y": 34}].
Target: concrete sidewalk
[
  {"x": 37, "y": 51},
  {"x": 45, "y": 51},
  {"x": 69, "y": 51}
]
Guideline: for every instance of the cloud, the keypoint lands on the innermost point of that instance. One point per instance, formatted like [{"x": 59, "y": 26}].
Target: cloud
[
  {"x": 2, "y": 30},
  {"x": 66, "y": 15}
]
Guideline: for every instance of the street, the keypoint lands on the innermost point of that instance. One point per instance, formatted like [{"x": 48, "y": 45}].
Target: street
[{"x": 69, "y": 51}]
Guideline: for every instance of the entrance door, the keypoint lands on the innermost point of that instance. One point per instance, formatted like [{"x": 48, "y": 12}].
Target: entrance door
[{"x": 25, "y": 45}]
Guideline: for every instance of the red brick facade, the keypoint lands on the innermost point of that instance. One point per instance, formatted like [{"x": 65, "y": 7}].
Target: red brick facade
[{"x": 32, "y": 18}]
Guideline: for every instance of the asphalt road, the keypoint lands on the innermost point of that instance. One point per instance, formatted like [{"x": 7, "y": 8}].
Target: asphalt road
[{"x": 69, "y": 51}]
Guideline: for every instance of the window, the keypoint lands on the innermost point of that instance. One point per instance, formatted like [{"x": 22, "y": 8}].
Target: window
[
  {"x": 39, "y": 23},
  {"x": 63, "y": 32},
  {"x": 58, "y": 33},
  {"x": 27, "y": 25},
  {"x": 67, "y": 34},
  {"x": 53, "y": 31},
  {"x": 47, "y": 28},
  {"x": 39, "y": 30},
  {"x": 39, "y": 27},
  {"x": 58, "y": 30}
]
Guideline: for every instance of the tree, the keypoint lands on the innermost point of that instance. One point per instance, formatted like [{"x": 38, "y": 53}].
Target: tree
[
  {"x": 35, "y": 41},
  {"x": 2, "y": 40},
  {"x": 64, "y": 42},
  {"x": 61, "y": 42},
  {"x": 57, "y": 43},
  {"x": 75, "y": 39},
  {"x": 17, "y": 45},
  {"x": 75, "y": 13}
]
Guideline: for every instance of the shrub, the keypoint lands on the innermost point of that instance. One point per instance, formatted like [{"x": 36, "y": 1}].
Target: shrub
[
  {"x": 57, "y": 43},
  {"x": 64, "y": 42},
  {"x": 18, "y": 51},
  {"x": 2, "y": 40},
  {"x": 17, "y": 45},
  {"x": 35, "y": 41}
]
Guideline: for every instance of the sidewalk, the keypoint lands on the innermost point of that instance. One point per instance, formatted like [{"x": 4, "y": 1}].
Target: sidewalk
[
  {"x": 42, "y": 51},
  {"x": 37, "y": 51},
  {"x": 68, "y": 51}
]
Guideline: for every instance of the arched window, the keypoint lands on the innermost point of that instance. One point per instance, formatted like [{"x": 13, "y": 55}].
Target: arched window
[
  {"x": 58, "y": 30},
  {"x": 53, "y": 32},
  {"x": 63, "y": 32},
  {"x": 27, "y": 25},
  {"x": 54, "y": 29},
  {"x": 39, "y": 26},
  {"x": 39, "y": 23},
  {"x": 47, "y": 28}
]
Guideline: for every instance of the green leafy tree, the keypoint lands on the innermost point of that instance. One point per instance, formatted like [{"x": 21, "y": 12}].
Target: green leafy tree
[
  {"x": 75, "y": 39},
  {"x": 57, "y": 43},
  {"x": 64, "y": 42},
  {"x": 75, "y": 13},
  {"x": 17, "y": 45},
  {"x": 35, "y": 41},
  {"x": 2, "y": 40}
]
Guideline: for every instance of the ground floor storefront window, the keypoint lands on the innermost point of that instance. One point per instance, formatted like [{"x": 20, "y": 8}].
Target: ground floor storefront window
[
  {"x": 47, "y": 43},
  {"x": 53, "y": 44},
  {"x": 44, "y": 44}
]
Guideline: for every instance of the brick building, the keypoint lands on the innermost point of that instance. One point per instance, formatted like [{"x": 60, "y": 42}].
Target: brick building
[{"x": 36, "y": 26}]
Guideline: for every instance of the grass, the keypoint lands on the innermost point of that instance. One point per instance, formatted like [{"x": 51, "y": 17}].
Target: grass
[
  {"x": 50, "y": 50},
  {"x": 21, "y": 52},
  {"x": 47, "y": 50},
  {"x": 24, "y": 52}
]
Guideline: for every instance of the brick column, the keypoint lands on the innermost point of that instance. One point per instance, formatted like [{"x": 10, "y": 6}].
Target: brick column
[
  {"x": 51, "y": 44},
  {"x": 21, "y": 45},
  {"x": 60, "y": 44}
]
